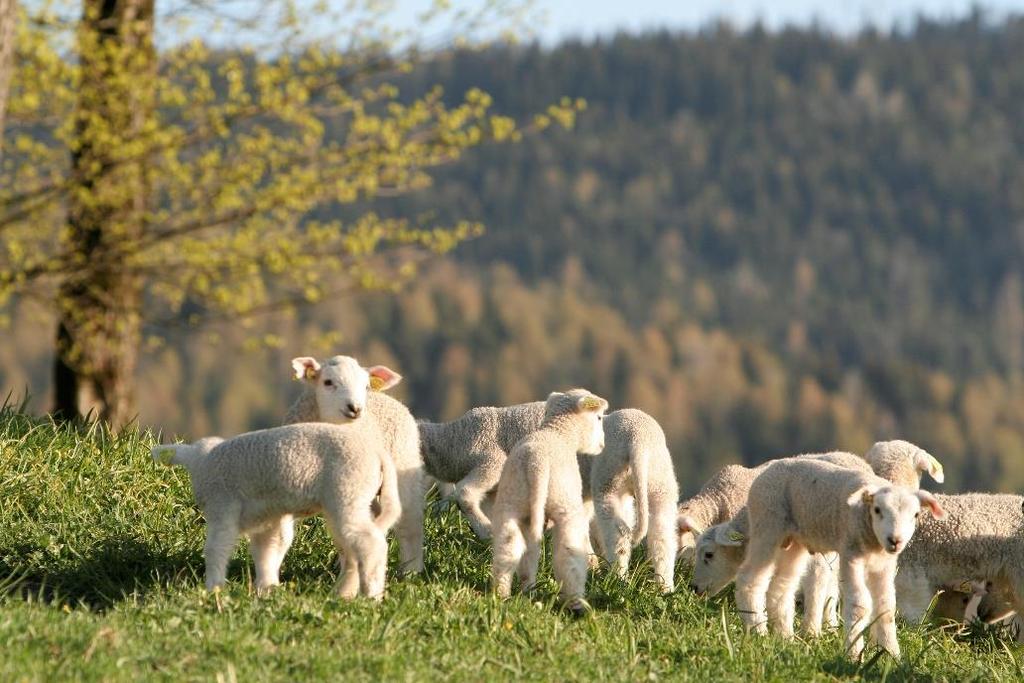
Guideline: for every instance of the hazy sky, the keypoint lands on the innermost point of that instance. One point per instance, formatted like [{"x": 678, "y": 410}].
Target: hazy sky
[{"x": 595, "y": 17}]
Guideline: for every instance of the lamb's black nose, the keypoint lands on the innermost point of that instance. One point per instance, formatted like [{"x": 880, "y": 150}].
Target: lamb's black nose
[{"x": 353, "y": 410}]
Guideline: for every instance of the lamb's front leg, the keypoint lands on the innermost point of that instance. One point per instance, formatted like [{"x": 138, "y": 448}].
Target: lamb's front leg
[
  {"x": 789, "y": 566},
  {"x": 856, "y": 604},
  {"x": 753, "y": 579},
  {"x": 883, "y": 597}
]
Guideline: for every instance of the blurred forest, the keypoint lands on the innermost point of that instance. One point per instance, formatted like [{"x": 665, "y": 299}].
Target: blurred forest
[{"x": 772, "y": 242}]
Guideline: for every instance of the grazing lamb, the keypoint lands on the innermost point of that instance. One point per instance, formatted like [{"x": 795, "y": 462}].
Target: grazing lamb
[
  {"x": 541, "y": 480},
  {"x": 339, "y": 390},
  {"x": 798, "y": 505},
  {"x": 257, "y": 483},
  {"x": 635, "y": 466},
  {"x": 980, "y": 539},
  {"x": 471, "y": 450}
]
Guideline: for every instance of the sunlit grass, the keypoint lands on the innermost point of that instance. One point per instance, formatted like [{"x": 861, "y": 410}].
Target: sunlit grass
[{"x": 101, "y": 575}]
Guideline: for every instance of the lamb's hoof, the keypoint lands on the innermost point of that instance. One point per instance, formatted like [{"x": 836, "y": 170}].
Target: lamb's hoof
[{"x": 578, "y": 608}]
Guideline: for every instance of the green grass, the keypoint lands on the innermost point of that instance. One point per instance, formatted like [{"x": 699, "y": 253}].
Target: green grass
[{"x": 100, "y": 578}]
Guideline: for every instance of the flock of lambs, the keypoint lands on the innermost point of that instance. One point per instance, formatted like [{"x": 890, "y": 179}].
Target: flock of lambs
[{"x": 840, "y": 528}]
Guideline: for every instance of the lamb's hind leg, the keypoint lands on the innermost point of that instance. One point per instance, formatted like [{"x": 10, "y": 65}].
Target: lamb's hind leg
[
  {"x": 616, "y": 531},
  {"x": 569, "y": 557},
  {"x": 222, "y": 531},
  {"x": 662, "y": 539},
  {"x": 409, "y": 527},
  {"x": 472, "y": 489},
  {"x": 269, "y": 546},
  {"x": 509, "y": 547}
]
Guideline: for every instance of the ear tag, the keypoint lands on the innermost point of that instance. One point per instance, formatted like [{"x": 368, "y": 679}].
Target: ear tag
[
  {"x": 590, "y": 403},
  {"x": 936, "y": 465},
  {"x": 310, "y": 372},
  {"x": 736, "y": 536},
  {"x": 376, "y": 383}
]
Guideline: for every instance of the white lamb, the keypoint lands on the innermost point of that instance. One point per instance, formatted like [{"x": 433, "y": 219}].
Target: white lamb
[
  {"x": 981, "y": 539},
  {"x": 257, "y": 483},
  {"x": 799, "y": 505},
  {"x": 541, "y": 481},
  {"x": 635, "y": 466},
  {"x": 718, "y": 501},
  {"x": 721, "y": 549},
  {"x": 339, "y": 390},
  {"x": 470, "y": 451}
]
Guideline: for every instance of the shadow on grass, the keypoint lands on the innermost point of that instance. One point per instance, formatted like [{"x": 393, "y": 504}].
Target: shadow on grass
[{"x": 114, "y": 570}]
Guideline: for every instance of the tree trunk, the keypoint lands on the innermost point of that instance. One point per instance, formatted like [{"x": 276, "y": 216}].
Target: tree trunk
[
  {"x": 8, "y": 10},
  {"x": 99, "y": 305}
]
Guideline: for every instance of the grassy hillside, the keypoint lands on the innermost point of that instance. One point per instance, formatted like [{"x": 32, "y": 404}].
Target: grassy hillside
[{"x": 100, "y": 575}]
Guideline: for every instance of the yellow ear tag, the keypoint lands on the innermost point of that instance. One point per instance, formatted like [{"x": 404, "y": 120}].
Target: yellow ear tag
[
  {"x": 310, "y": 372},
  {"x": 376, "y": 383},
  {"x": 936, "y": 465},
  {"x": 165, "y": 455},
  {"x": 966, "y": 587},
  {"x": 736, "y": 536},
  {"x": 590, "y": 403}
]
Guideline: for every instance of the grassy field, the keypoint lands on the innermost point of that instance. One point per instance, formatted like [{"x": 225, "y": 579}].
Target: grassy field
[{"x": 100, "y": 578}]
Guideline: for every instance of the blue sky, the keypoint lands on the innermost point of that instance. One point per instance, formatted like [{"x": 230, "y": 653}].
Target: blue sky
[{"x": 587, "y": 18}]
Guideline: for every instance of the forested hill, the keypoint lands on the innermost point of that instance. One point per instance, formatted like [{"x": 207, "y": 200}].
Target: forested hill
[
  {"x": 870, "y": 191},
  {"x": 773, "y": 242}
]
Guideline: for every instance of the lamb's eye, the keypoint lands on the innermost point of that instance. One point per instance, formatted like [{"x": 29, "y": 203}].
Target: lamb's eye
[
  {"x": 878, "y": 510},
  {"x": 328, "y": 382}
]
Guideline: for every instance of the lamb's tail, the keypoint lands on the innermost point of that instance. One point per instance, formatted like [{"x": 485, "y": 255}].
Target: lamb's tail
[
  {"x": 182, "y": 454},
  {"x": 390, "y": 503},
  {"x": 537, "y": 484},
  {"x": 638, "y": 463}
]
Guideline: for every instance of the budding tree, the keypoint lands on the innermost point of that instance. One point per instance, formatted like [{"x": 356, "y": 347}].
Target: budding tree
[{"x": 145, "y": 185}]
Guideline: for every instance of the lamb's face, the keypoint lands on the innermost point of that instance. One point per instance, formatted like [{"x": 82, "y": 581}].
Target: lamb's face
[
  {"x": 341, "y": 390},
  {"x": 714, "y": 565},
  {"x": 894, "y": 517},
  {"x": 594, "y": 442},
  {"x": 341, "y": 385},
  {"x": 580, "y": 404}
]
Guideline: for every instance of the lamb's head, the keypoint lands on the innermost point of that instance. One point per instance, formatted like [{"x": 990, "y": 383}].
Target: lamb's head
[
  {"x": 902, "y": 463},
  {"x": 580, "y": 404},
  {"x": 341, "y": 385},
  {"x": 717, "y": 557},
  {"x": 893, "y": 511},
  {"x": 687, "y": 529}
]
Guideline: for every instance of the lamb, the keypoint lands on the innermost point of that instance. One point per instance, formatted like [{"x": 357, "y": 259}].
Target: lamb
[
  {"x": 901, "y": 462},
  {"x": 540, "y": 481},
  {"x": 635, "y": 465},
  {"x": 257, "y": 483},
  {"x": 721, "y": 549},
  {"x": 981, "y": 539},
  {"x": 471, "y": 450},
  {"x": 339, "y": 390},
  {"x": 799, "y": 505}
]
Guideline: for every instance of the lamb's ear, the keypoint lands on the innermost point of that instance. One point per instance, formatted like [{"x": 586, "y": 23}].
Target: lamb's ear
[
  {"x": 592, "y": 403},
  {"x": 686, "y": 523},
  {"x": 383, "y": 378},
  {"x": 924, "y": 462},
  {"x": 865, "y": 495},
  {"x": 305, "y": 367},
  {"x": 929, "y": 501},
  {"x": 726, "y": 535}
]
